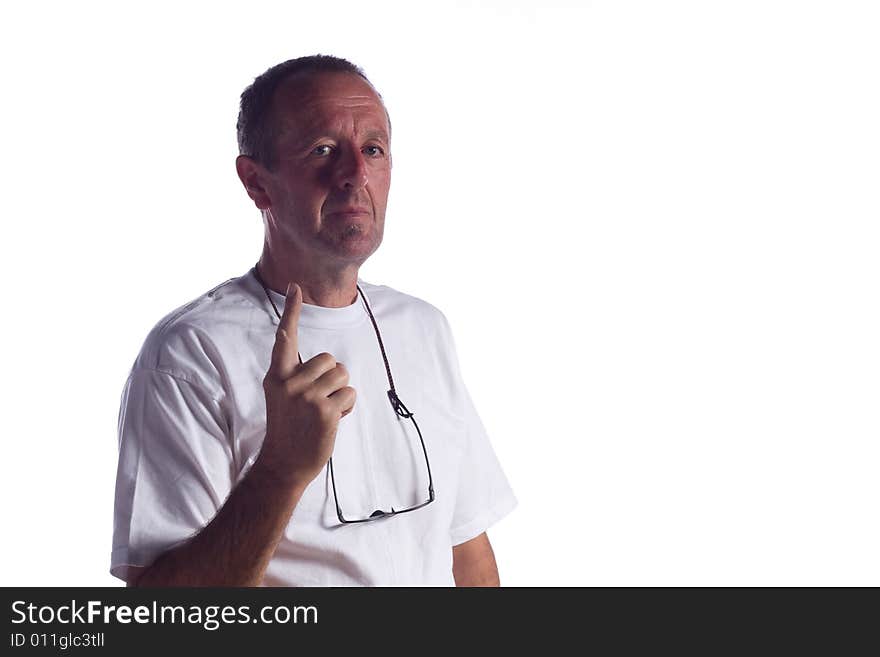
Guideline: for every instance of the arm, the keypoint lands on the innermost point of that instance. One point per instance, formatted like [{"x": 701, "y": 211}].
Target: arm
[
  {"x": 473, "y": 563},
  {"x": 304, "y": 404},
  {"x": 235, "y": 547}
]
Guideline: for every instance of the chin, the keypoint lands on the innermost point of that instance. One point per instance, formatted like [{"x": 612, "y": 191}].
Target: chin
[{"x": 354, "y": 245}]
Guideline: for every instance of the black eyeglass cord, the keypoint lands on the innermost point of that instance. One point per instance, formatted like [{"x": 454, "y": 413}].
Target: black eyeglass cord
[{"x": 396, "y": 404}]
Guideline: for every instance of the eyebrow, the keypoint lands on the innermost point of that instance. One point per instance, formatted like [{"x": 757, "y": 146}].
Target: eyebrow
[
  {"x": 379, "y": 135},
  {"x": 315, "y": 133}
]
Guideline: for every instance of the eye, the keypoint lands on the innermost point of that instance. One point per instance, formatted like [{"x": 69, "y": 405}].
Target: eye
[
  {"x": 323, "y": 150},
  {"x": 374, "y": 151}
]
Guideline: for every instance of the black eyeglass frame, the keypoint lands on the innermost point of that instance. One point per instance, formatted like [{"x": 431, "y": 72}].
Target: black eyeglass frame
[
  {"x": 402, "y": 411},
  {"x": 399, "y": 408}
]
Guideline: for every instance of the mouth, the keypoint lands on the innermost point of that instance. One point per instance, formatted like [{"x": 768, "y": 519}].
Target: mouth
[{"x": 350, "y": 211}]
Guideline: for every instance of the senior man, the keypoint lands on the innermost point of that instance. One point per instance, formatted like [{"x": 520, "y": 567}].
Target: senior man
[{"x": 298, "y": 426}]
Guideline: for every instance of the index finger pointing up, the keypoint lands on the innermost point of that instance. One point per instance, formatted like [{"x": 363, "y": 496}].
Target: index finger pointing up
[{"x": 285, "y": 353}]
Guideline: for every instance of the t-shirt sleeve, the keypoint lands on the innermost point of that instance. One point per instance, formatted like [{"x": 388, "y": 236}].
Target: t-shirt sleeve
[
  {"x": 484, "y": 494},
  {"x": 175, "y": 466}
]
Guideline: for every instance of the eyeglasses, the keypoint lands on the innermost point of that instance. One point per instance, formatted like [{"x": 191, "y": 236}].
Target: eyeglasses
[
  {"x": 403, "y": 412},
  {"x": 399, "y": 408}
]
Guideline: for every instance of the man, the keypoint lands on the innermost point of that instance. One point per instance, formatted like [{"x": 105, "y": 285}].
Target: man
[{"x": 297, "y": 425}]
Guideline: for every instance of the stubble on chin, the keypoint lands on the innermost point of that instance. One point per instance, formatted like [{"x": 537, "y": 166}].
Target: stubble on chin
[{"x": 353, "y": 240}]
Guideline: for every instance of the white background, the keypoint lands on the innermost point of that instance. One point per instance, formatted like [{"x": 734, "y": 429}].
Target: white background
[{"x": 653, "y": 227}]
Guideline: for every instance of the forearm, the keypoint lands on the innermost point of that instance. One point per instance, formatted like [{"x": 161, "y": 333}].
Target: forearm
[
  {"x": 485, "y": 575},
  {"x": 473, "y": 563},
  {"x": 234, "y": 549}
]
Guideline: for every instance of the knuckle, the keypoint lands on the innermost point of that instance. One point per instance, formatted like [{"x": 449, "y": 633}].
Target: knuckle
[
  {"x": 293, "y": 388},
  {"x": 308, "y": 395},
  {"x": 327, "y": 412},
  {"x": 325, "y": 359}
]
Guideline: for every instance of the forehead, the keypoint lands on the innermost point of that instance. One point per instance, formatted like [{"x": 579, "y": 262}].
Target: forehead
[{"x": 315, "y": 103}]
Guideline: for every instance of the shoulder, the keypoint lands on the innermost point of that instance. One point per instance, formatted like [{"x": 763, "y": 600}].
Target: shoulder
[
  {"x": 394, "y": 305},
  {"x": 389, "y": 300},
  {"x": 422, "y": 324},
  {"x": 191, "y": 340}
]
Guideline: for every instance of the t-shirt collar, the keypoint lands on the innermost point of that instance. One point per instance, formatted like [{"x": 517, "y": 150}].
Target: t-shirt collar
[{"x": 318, "y": 317}]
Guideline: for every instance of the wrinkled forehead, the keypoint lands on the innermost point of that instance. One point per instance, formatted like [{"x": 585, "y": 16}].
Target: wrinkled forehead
[{"x": 312, "y": 102}]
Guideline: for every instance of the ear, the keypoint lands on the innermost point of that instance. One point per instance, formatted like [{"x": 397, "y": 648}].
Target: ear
[{"x": 253, "y": 176}]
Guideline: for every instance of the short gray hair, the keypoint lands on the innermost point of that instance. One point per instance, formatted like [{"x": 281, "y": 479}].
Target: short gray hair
[{"x": 256, "y": 124}]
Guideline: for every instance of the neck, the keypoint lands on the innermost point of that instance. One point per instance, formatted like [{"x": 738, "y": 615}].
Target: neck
[{"x": 331, "y": 288}]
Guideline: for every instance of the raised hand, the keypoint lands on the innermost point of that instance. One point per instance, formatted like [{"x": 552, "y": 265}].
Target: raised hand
[{"x": 304, "y": 402}]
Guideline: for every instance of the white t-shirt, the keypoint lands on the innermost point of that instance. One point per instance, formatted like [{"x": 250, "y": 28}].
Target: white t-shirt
[{"x": 193, "y": 418}]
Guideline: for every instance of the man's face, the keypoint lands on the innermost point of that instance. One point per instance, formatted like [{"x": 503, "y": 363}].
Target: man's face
[{"x": 329, "y": 188}]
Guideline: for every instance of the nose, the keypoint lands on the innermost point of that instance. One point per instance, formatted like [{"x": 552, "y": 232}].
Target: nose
[{"x": 351, "y": 170}]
